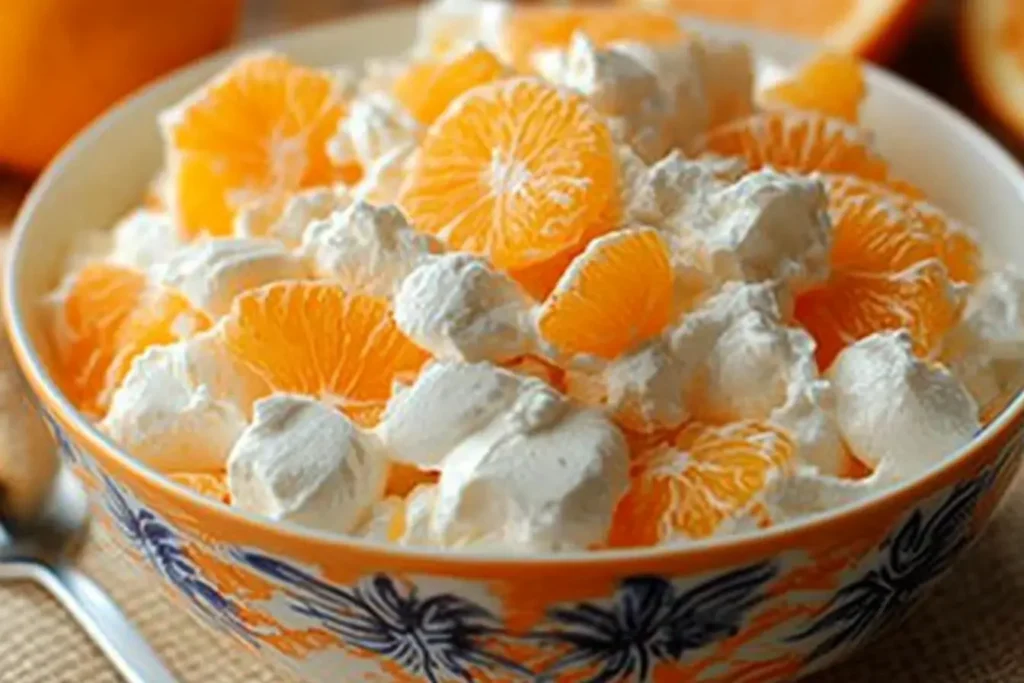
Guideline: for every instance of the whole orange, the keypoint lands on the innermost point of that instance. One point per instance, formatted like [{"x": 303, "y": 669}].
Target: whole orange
[{"x": 62, "y": 62}]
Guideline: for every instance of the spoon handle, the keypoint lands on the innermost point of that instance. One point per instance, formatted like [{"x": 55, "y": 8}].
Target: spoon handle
[{"x": 97, "y": 614}]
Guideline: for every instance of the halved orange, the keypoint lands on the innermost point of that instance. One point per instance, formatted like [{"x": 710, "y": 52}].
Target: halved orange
[
  {"x": 258, "y": 130},
  {"x": 614, "y": 296},
  {"x": 528, "y": 30},
  {"x": 426, "y": 88},
  {"x": 315, "y": 339},
  {"x": 517, "y": 171},
  {"x": 831, "y": 84},
  {"x": 869, "y": 28},
  {"x": 107, "y": 315},
  {"x": 992, "y": 38},
  {"x": 707, "y": 475}
]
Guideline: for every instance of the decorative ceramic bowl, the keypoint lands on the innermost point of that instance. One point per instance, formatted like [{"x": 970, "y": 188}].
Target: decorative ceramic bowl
[{"x": 755, "y": 607}]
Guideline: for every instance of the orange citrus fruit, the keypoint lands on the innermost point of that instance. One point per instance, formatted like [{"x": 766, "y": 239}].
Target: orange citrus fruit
[
  {"x": 531, "y": 29},
  {"x": 869, "y": 28},
  {"x": 831, "y": 84},
  {"x": 993, "y": 44},
  {"x": 205, "y": 483},
  {"x": 948, "y": 240},
  {"x": 426, "y": 88},
  {"x": 258, "y": 130},
  {"x": 403, "y": 478},
  {"x": 616, "y": 295},
  {"x": 315, "y": 339},
  {"x": 890, "y": 269},
  {"x": 108, "y": 315},
  {"x": 517, "y": 171},
  {"x": 707, "y": 475},
  {"x": 62, "y": 62},
  {"x": 799, "y": 142}
]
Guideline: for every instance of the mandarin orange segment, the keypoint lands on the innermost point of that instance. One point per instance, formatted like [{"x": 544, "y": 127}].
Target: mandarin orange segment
[
  {"x": 851, "y": 198},
  {"x": 259, "y": 129},
  {"x": 616, "y": 295},
  {"x": 427, "y": 88},
  {"x": 211, "y": 485},
  {"x": 403, "y": 478},
  {"x": 799, "y": 142},
  {"x": 831, "y": 84},
  {"x": 853, "y": 305},
  {"x": 96, "y": 304},
  {"x": 518, "y": 171},
  {"x": 162, "y": 316},
  {"x": 315, "y": 339},
  {"x": 871, "y": 234},
  {"x": 532, "y": 29},
  {"x": 706, "y": 476}
]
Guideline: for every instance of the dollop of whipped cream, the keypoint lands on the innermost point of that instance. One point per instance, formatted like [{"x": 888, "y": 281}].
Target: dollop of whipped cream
[
  {"x": 446, "y": 26},
  {"x": 366, "y": 248},
  {"x": 457, "y": 307},
  {"x": 521, "y": 466},
  {"x": 143, "y": 239},
  {"x": 303, "y": 461},
  {"x": 732, "y": 358},
  {"x": 986, "y": 349},
  {"x": 212, "y": 273},
  {"x": 379, "y": 135},
  {"x": 896, "y": 410},
  {"x": 288, "y": 221},
  {"x": 181, "y": 407},
  {"x": 629, "y": 95}
]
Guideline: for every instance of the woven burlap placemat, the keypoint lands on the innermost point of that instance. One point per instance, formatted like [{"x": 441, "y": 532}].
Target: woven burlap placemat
[{"x": 967, "y": 632}]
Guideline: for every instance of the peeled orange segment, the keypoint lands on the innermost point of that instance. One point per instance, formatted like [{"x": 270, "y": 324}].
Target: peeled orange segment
[
  {"x": 869, "y": 28},
  {"x": 94, "y": 307},
  {"x": 707, "y": 475},
  {"x": 616, "y": 295},
  {"x": 162, "y": 316},
  {"x": 427, "y": 88},
  {"x": 213, "y": 486},
  {"x": 516, "y": 171},
  {"x": 403, "y": 478},
  {"x": 853, "y": 305},
  {"x": 831, "y": 84},
  {"x": 258, "y": 130},
  {"x": 531, "y": 29},
  {"x": 993, "y": 44},
  {"x": 878, "y": 229},
  {"x": 799, "y": 142},
  {"x": 108, "y": 315},
  {"x": 315, "y": 339}
]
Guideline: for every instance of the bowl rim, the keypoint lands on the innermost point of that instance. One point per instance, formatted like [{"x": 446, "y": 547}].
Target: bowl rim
[{"x": 87, "y": 436}]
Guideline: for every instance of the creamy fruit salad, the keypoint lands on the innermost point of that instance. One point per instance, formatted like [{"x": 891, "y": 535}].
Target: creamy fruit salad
[{"x": 557, "y": 279}]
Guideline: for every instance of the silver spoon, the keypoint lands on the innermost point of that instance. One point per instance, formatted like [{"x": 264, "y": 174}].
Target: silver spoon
[{"x": 44, "y": 517}]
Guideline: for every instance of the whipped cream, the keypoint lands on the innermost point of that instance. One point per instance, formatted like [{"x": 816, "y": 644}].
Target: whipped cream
[
  {"x": 896, "y": 410},
  {"x": 520, "y": 465},
  {"x": 769, "y": 226},
  {"x": 448, "y": 402},
  {"x": 379, "y": 135},
  {"x": 629, "y": 95},
  {"x": 302, "y": 461},
  {"x": 181, "y": 407},
  {"x": 807, "y": 492},
  {"x": 456, "y": 307},
  {"x": 986, "y": 349},
  {"x": 366, "y": 248},
  {"x": 287, "y": 221},
  {"x": 212, "y": 273},
  {"x": 447, "y": 26},
  {"x": 143, "y": 239}
]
